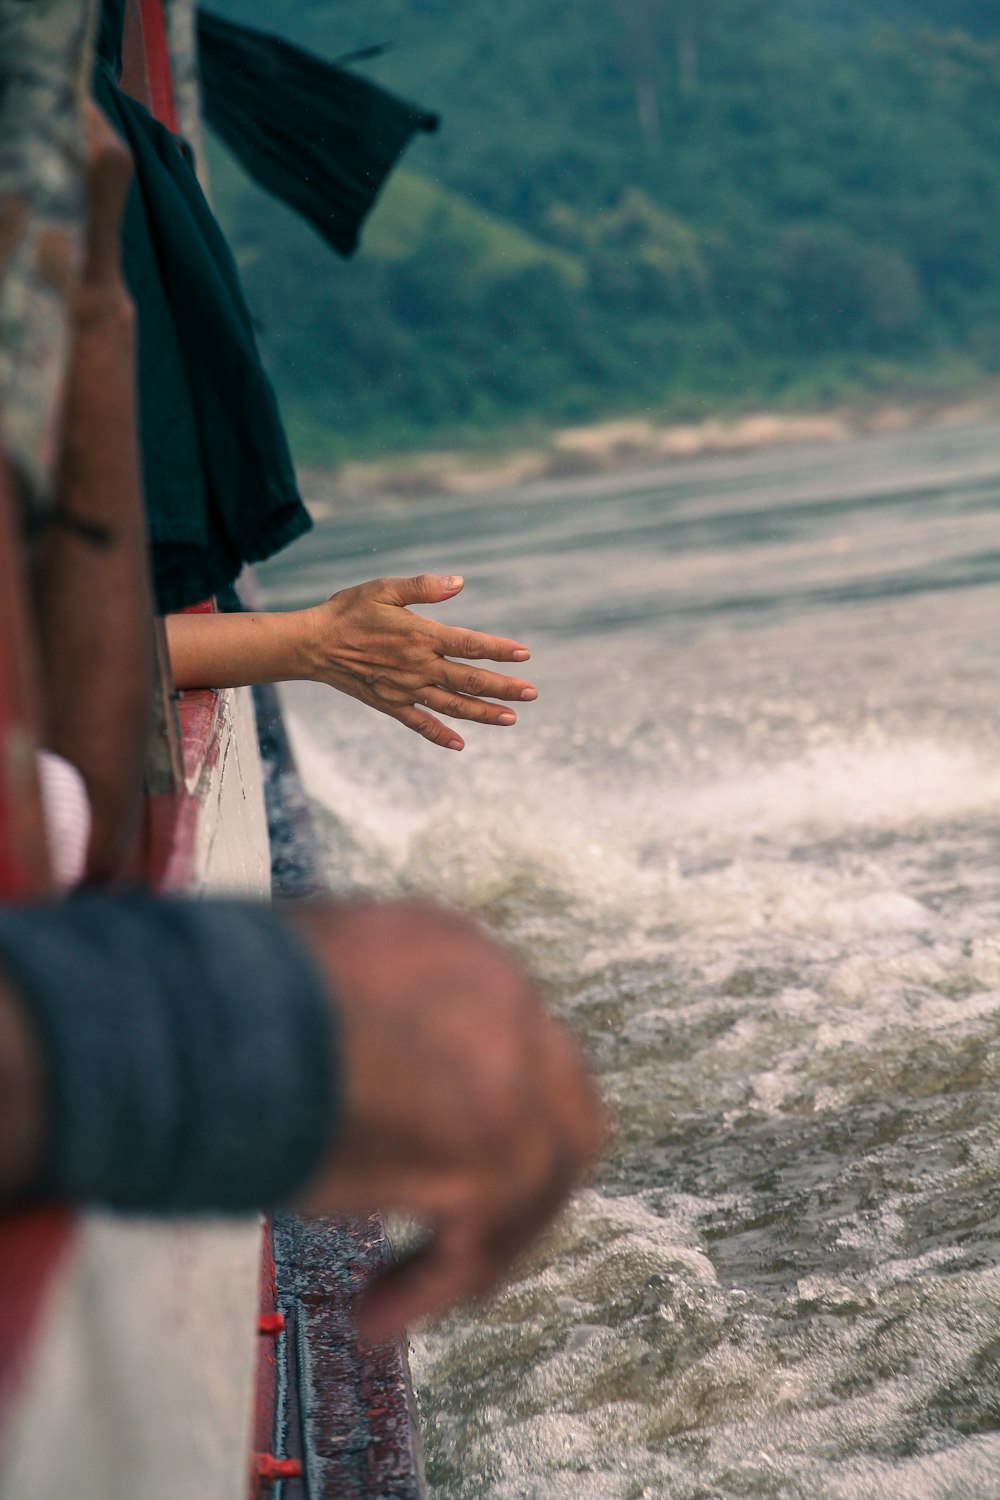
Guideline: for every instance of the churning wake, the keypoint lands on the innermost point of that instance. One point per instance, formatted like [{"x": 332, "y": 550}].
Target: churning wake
[{"x": 749, "y": 837}]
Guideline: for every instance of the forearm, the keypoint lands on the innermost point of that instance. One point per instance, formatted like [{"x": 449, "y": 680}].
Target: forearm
[
  {"x": 238, "y": 650},
  {"x": 95, "y": 627}
]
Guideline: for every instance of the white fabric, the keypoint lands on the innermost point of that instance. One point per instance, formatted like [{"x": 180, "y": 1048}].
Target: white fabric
[{"x": 67, "y": 818}]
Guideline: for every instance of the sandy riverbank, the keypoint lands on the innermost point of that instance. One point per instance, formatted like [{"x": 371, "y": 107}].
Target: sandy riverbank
[{"x": 604, "y": 447}]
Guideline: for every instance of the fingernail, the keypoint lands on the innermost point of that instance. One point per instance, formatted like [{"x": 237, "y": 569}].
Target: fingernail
[
  {"x": 506, "y": 718},
  {"x": 455, "y": 745},
  {"x": 520, "y": 655},
  {"x": 454, "y": 581},
  {"x": 528, "y": 694}
]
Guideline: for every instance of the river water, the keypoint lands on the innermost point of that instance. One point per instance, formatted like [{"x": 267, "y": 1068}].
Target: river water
[{"x": 750, "y": 836}]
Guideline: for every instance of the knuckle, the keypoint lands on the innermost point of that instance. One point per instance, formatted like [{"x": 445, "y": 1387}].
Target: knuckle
[{"x": 475, "y": 683}]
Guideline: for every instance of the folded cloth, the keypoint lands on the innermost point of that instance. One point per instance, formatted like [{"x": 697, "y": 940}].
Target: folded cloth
[
  {"x": 219, "y": 480},
  {"x": 318, "y": 137},
  {"x": 67, "y": 818}
]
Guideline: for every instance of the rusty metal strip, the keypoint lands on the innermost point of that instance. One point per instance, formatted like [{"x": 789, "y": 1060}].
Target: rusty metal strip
[{"x": 348, "y": 1414}]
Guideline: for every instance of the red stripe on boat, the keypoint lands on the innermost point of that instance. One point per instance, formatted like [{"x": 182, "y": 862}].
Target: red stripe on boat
[{"x": 161, "y": 88}]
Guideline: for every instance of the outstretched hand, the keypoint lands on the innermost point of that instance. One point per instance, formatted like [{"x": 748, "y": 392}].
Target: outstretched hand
[{"x": 366, "y": 642}]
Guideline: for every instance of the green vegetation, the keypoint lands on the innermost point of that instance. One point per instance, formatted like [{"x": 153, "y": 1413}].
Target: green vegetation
[{"x": 657, "y": 206}]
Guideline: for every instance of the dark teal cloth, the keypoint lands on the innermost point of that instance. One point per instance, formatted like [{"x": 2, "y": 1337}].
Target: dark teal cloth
[
  {"x": 189, "y": 1049},
  {"x": 219, "y": 480},
  {"x": 318, "y": 137}
]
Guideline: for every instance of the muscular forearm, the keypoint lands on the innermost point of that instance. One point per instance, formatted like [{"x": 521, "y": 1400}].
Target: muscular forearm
[{"x": 238, "y": 650}]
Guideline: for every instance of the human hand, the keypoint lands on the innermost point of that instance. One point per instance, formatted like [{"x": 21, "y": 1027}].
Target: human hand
[
  {"x": 365, "y": 642},
  {"x": 465, "y": 1104}
]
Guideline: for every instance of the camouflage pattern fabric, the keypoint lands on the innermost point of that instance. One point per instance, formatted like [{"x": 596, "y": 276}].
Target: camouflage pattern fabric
[{"x": 45, "y": 65}]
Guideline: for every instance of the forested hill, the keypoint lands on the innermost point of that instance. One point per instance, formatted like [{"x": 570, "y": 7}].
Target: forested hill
[{"x": 642, "y": 205}]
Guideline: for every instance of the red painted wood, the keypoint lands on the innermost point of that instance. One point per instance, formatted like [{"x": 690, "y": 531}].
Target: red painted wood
[
  {"x": 166, "y": 850},
  {"x": 161, "y": 88},
  {"x": 32, "y": 1246},
  {"x": 262, "y": 1471},
  {"x": 164, "y": 853},
  {"x": 348, "y": 1404}
]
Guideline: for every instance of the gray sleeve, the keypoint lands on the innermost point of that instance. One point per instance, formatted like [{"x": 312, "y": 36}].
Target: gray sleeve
[{"x": 188, "y": 1048}]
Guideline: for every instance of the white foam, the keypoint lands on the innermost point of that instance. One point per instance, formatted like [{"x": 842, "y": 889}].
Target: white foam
[{"x": 847, "y": 785}]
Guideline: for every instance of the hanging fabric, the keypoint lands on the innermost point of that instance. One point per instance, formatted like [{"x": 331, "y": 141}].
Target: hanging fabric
[{"x": 320, "y": 138}]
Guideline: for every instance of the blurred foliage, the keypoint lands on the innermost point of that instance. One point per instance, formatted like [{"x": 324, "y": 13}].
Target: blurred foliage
[{"x": 663, "y": 205}]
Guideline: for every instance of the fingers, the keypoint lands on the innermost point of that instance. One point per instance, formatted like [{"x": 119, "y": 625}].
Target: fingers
[
  {"x": 476, "y": 710},
  {"x": 457, "y": 1264},
  {"x": 461, "y": 705},
  {"x": 420, "y": 1286},
  {"x": 474, "y": 646},
  {"x": 472, "y": 1253},
  {"x": 470, "y": 1258},
  {"x": 474, "y": 682},
  {"x": 433, "y": 588},
  {"x": 465, "y": 1105},
  {"x": 430, "y": 728},
  {"x": 425, "y": 588}
]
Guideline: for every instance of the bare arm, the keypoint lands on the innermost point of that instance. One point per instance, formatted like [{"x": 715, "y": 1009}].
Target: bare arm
[
  {"x": 368, "y": 644},
  {"x": 462, "y": 1102},
  {"x": 238, "y": 650},
  {"x": 92, "y": 581}
]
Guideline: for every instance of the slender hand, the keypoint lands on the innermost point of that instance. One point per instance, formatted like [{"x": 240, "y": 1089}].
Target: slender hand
[
  {"x": 367, "y": 643},
  {"x": 465, "y": 1105}
]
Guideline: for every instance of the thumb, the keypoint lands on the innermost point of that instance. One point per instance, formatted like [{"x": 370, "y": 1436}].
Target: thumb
[{"x": 426, "y": 588}]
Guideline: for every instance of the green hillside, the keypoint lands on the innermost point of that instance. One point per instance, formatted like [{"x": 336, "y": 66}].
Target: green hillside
[
  {"x": 412, "y": 208},
  {"x": 655, "y": 205}
]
